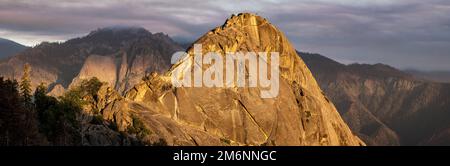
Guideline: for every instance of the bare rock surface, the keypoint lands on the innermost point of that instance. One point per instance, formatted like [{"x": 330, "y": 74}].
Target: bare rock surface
[{"x": 300, "y": 115}]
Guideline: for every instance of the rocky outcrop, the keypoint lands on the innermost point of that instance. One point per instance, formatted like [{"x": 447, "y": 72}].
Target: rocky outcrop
[
  {"x": 111, "y": 120},
  {"x": 56, "y": 90},
  {"x": 300, "y": 115}
]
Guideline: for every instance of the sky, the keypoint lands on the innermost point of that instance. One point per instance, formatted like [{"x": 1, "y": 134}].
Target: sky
[{"x": 407, "y": 34}]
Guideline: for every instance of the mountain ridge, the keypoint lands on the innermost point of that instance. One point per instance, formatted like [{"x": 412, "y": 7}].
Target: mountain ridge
[
  {"x": 398, "y": 108},
  {"x": 9, "y": 48},
  {"x": 60, "y": 63}
]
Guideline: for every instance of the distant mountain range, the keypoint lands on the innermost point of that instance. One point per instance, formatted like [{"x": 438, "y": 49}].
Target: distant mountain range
[
  {"x": 9, "y": 48},
  {"x": 122, "y": 55},
  {"x": 385, "y": 106}
]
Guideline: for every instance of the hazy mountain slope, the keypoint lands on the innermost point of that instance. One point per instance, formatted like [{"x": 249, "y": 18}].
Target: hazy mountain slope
[
  {"x": 398, "y": 104},
  {"x": 133, "y": 50},
  {"x": 9, "y": 48},
  {"x": 437, "y": 76}
]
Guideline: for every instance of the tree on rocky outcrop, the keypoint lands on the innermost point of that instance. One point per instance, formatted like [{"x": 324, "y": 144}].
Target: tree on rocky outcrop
[
  {"x": 138, "y": 128},
  {"x": 62, "y": 119}
]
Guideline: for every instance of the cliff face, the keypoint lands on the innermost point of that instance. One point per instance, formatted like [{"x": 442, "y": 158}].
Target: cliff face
[
  {"x": 102, "y": 67},
  {"x": 299, "y": 115},
  {"x": 383, "y": 105}
]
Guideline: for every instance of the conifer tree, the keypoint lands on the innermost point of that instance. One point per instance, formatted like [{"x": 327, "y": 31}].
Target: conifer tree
[{"x": 25, "y": 85}]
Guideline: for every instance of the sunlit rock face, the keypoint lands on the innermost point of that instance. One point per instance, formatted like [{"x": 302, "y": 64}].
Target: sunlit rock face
[{"x": 299, "y": 115}]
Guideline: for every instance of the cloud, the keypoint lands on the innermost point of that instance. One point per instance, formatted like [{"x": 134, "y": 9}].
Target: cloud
[{"x": 402, "y": 33}]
